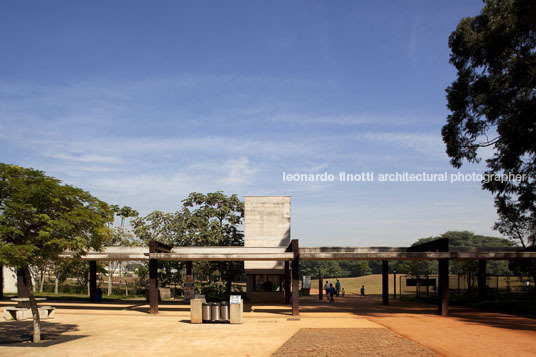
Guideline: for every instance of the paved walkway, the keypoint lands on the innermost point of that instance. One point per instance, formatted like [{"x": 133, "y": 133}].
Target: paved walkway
[{"x": 125, "y": 329}]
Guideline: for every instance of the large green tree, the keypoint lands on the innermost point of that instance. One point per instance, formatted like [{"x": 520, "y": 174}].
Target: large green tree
[
  {"x": 465, "y": 239},
  {"x": 122, "y": 237},
  {"x": 493, "y": 106},
  {"x": 40, "y": 218},
  {"x": 211, "y": 219}
]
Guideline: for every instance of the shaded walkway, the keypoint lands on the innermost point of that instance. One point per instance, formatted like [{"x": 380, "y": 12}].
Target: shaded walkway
[{"x": 464, "y": 332}]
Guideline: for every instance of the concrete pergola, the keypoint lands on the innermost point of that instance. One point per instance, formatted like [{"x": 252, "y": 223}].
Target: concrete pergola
[{"x": 436, "y": 250}]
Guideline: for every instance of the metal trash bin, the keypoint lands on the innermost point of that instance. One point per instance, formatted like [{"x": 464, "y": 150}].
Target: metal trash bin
[
  {"x": 224, "y": 311},
  {"x": 206, "y": 311},
  {"x": 215, "y": 311}
]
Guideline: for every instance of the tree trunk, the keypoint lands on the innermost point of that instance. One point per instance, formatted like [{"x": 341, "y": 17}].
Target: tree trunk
[
  {"x": 126, "y": 282},
  {"x": 110, "y": 275},
  {"x": 120, "y": 276},
  {"x": 42, "y": 282},
  {"x": 56, "y": 283},
  {"x": 33, "y": 306}
]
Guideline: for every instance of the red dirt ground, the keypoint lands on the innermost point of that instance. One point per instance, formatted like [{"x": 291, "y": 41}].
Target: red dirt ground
[{"x": 465, "y": 332}]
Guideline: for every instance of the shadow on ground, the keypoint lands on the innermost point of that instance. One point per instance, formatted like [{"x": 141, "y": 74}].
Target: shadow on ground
[
  {"x": 19, "y": 333},
  {"x": 372, "y": 306},
  {"x": 139, "y": 305}
]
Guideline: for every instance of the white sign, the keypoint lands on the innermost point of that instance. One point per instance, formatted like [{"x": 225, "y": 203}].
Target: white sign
[
  {"x": 235, "y": 299},
  {"x": 306, "y": 284}
]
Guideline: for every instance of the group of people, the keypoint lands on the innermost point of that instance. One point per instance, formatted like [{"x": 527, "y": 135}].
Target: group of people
[{"x": 332, "y": 291}]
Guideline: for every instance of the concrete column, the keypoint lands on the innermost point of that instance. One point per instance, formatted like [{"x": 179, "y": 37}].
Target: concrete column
[
  {"x": 482, "y": 278},
  {"x": 320, "y": 286},
  {"x": 22, "y": 289},
  {"x": 295, "y": 278},
  {"x": 443, "y": 287},
  {"x": 153, "y": 286},
  {"x": 385, "y": 282},
  {"x": 287, "y": 282},
  {"x": 92, "y": 279}
]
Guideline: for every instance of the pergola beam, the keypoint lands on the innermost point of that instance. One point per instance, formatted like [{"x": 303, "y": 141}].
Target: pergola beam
[
  {"x": 318, "y": 253},
  {"x": 221, "y": 257}
]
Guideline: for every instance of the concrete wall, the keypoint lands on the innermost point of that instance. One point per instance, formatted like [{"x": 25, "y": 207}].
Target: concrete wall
[
  {"x": 266, "y": 224},
  {"x": 10, "y": 280}
]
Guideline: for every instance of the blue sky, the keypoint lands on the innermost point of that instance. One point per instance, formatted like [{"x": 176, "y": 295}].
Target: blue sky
[{"x": 142, "y": 102}]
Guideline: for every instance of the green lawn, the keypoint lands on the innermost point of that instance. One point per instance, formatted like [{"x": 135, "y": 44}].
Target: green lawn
[{"x": 373, "y": 284}]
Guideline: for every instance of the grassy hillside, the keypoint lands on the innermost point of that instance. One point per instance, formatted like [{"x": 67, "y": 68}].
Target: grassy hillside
[{"x": 373, "y": 284}]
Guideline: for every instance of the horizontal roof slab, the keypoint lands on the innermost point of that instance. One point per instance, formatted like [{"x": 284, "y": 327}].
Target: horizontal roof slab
[
  {"x": 222, "y": 256},
  {"x": 313, "y": 253}
]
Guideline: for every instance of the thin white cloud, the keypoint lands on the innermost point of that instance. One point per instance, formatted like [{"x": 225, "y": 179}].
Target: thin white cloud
[
  {"x": 83, "y": 158},
  {"x": 239, "y": 172},
  {"x": 425, "y": 143}
]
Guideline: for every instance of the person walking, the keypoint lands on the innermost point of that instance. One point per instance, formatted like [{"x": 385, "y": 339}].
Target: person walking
[
  {"x": 331, "y": 293},
  {"x": 363, "y": 290},
  {"x": 326, "y": 287},
  {"x": 338, "y": 287}
]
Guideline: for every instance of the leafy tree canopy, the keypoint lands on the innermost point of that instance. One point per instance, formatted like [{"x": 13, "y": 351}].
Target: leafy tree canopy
[
  {"x": 40, "y": 217},
  {"x": 211, "y": 219},
  {"x": 493, "y": 105},
  {"x": 468, "y": 239}
]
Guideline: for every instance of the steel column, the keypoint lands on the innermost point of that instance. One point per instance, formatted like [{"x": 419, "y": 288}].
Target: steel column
[
  {"x": 92, "y": 279},
  {"x": 443, "y": 287},
  {"x": 320, "y": 286},
  {"x": 482, "y": 278},
  {"x": 287, "y": 282},
  {"x": 1, "y": 281},
  {"x": 385, "y": 282},
  {"x": 295, "y": 278},
  {"x": 153, "y": 286}
]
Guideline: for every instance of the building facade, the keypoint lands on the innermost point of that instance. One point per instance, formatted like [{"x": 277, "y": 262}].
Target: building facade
[{"x": 266, "y": 224}]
